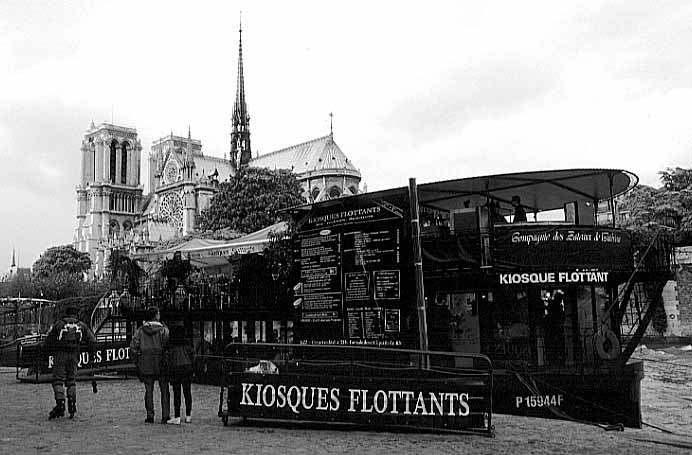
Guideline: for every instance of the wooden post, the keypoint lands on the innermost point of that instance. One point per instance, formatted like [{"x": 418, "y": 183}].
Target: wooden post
[{"x": 418, "y": 269}]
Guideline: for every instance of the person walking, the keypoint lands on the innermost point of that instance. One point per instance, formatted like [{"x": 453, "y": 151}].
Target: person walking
[
  {"x": 148, "y": 345},
  {"x": 63, "y": 342},
  {"x": 180, "y": 358}
]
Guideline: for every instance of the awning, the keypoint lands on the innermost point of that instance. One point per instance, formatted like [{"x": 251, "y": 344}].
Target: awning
[
  {"x": 212, "y": 253},
  {"x": 539, "y": 191}
]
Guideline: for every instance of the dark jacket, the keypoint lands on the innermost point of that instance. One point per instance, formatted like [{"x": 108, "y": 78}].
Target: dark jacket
[
  {"x": 56, "y": 342},
  {"x": 180, "y": 359},
  {"x": 147, "y": 346}
]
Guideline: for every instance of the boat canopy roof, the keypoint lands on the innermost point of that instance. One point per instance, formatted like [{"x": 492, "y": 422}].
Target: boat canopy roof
[{"x": 538, "y": 190}]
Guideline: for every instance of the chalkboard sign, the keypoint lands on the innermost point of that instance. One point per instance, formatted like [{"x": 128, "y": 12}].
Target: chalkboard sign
[{"x": 353, "y": 264}]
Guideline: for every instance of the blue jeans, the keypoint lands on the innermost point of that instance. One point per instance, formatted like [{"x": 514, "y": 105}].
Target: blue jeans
[{"x": 149, "y": 396}]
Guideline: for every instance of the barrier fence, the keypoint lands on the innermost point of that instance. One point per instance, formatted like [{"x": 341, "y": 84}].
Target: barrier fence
[{"x": 365, "y": 386}]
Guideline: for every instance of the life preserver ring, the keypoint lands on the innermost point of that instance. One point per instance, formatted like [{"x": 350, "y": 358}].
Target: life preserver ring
[{"x": 607, "y": 345}]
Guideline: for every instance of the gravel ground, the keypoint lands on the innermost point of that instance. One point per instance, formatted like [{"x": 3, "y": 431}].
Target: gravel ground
[{"x": 111, "y": 422}]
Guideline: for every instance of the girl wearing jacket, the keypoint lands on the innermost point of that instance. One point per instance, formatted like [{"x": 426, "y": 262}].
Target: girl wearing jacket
[{"x": 180, "y": 358}]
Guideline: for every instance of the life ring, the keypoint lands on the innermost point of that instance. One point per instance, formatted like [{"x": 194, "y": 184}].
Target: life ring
[{"x": 607, "y": 345}]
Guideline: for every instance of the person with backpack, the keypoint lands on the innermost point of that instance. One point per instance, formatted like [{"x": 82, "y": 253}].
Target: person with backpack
[
  {"x": 63, "y": 342},
  {"x": 148, "y": 345},
  {"x": 180, "y": 359}
]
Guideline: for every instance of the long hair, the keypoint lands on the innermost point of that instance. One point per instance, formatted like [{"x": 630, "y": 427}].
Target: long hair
[{"x": 178, "y": 336}]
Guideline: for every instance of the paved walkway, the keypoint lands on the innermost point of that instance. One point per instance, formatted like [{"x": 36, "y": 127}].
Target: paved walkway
[{"x": 111, "y": 422}]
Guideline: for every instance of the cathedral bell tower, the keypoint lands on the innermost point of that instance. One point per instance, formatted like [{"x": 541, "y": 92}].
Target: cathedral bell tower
[
  {"x": 109, "y": 195},
  {"x": 240, "y": 132}
]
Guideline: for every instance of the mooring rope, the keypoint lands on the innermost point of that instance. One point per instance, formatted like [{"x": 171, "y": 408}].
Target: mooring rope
[{"x": 561, "y": 413}]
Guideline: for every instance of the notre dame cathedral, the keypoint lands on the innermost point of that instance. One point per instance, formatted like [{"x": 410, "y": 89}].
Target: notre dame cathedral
[{"x": 114, "y": 211}]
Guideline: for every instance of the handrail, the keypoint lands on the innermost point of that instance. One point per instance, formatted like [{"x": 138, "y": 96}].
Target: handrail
[
  {"x": 365, "y": 348},
  {"x": 98, "y": 310},
  {"x": 622, "y": 293}
]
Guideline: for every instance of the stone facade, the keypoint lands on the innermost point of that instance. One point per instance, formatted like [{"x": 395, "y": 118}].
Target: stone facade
[
  {"x": 677, "y": 296},
  {"x": 114, "y": 212},
  {"x": 109, "y": 195}
]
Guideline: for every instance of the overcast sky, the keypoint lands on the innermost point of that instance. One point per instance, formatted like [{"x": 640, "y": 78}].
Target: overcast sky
[{"x": 432, "y": 90}]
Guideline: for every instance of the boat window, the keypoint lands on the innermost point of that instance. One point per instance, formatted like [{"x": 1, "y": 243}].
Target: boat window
[
  {"x": 260, "y": 331},
  {"x": 234, "y": 331},
  {"x": 244, "y": 332}
]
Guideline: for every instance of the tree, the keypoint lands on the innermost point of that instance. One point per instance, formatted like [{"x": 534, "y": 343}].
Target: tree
[
  {"x": 252, "y": 200},
  {"x": 667, "y": 208},
  {"x": 124, "y": 270},
  {"x": 61, "y": 260},
  {"x": 58, "y": 273},
  {"x": 175, "y": 271},
  {"x": 676, "y": 179}
]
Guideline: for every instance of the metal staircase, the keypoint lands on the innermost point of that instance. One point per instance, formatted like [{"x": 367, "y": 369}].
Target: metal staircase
[
  {"x": 107, "y": 321},
  {"x": 641, "y": 295}
]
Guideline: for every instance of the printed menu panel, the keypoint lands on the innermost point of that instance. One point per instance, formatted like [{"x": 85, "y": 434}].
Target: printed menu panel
[
  {"x": 350, "y": 262},
  {"x": 387, "y": 284},
  {"x": 357, "y": 285},
  {"x": 355, "y": 323},
  {"x": 371, "y": 248}
]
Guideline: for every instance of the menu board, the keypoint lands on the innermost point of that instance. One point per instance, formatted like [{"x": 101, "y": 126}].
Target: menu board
[
  {"x": 364, "y": 248},
  {"x": 355, "y": 323},
  {"x": 351, "y": 265},
  {"x": 320, "y": 275},
  {"x": 387, "y": 284}
]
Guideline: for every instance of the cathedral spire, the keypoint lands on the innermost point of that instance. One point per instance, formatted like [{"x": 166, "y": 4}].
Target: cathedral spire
[
  {"x": 189, "y": 164},
  {"x": 240, "y": 133}
]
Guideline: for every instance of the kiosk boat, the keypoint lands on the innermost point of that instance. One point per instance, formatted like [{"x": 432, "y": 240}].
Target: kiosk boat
[{"x": 557, "y": 303}]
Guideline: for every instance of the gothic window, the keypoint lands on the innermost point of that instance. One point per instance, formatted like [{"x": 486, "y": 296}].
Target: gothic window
[
  {"x": 170, "y": 174},
  {"x": 334, "y": 192},
  {"x": 123, "y": 164},
  {"x": 171, "y": 210},
  {"x": 315, "y": 193},
  {"x": 113, "y": 150}
]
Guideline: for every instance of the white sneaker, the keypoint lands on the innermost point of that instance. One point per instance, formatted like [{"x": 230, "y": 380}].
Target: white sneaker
[
  {"x": 188, "y": 419},
  {"x": 174, "y": 421}
]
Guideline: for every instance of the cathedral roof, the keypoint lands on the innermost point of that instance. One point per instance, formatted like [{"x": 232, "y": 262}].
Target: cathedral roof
[
  {"x": 206, "y": 165},
  {"x": 321, "y": 155}
]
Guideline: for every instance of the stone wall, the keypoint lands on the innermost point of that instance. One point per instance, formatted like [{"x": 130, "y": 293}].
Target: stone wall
[
  {"x": 684, "y": 299},
  {"x": 677, "y": 296}
]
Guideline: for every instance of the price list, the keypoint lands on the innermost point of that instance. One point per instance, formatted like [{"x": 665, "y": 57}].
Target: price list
[
  {"x": 387, "y": 284},
  {"x": 373, "y": 323},
  {"x": 371, "y": 248},
  {"x": 321, "y": 278},
  {"x": 355, "y": 323},
  {"x": 356, "y": 286}
]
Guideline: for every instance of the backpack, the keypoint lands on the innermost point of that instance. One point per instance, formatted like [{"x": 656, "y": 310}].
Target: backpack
[{"x": 70, "y": 334}]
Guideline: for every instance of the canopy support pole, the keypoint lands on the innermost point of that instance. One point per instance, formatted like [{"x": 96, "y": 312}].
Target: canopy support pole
[
  {"x": 418, "y": 270},
  {"x": 612, "y": 201}
]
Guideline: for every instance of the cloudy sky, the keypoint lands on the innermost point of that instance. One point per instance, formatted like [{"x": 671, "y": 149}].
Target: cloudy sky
[{"x": 449, "y": 89}]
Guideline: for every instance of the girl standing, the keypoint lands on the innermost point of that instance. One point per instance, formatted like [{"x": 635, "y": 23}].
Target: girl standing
[{"x": 180, "y": 357}]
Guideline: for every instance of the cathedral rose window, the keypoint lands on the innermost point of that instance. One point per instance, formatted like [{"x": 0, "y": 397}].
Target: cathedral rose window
[
  {"x": 171, "y": 210},
  {"x": 171, "y": 172}
]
